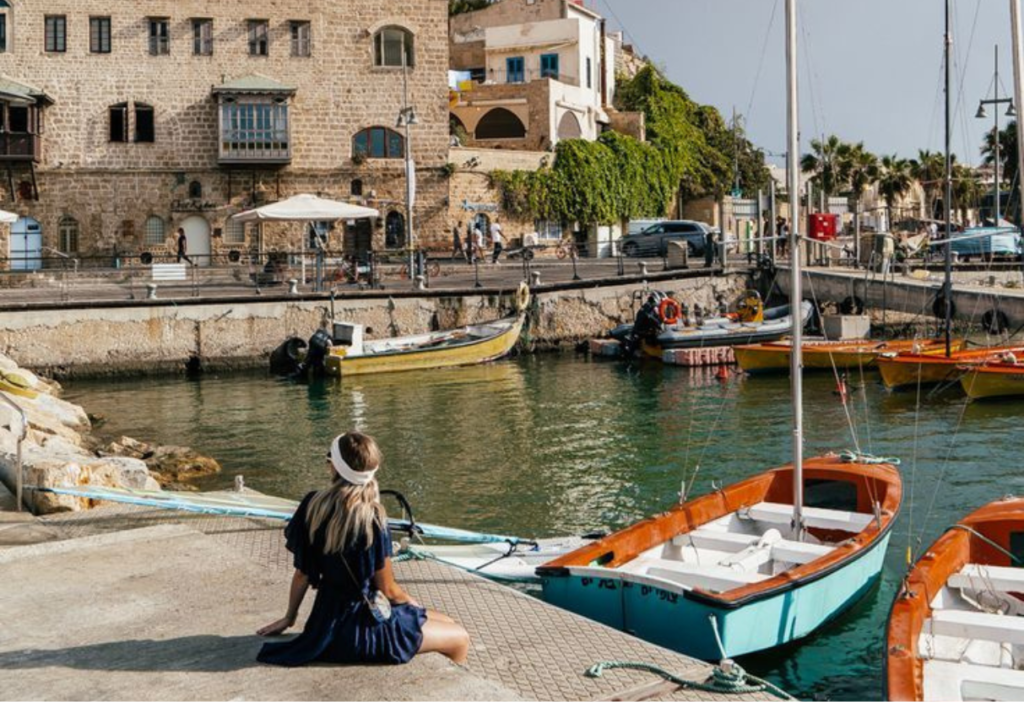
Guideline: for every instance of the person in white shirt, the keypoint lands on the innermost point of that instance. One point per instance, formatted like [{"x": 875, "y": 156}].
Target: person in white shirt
[
  {"x": 478, "y": 242},
  {"x": 498, "y": 240}
]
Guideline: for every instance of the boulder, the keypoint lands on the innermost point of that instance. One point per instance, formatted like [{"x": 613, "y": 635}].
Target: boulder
[
  {"x": 175, "y": 464},
  {"x": 127, "y": 446}
]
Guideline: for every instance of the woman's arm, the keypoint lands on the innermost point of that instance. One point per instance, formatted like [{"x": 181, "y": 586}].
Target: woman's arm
[
  {"x": 296, "y": 593},
  {"x": 384, "y": 581}
]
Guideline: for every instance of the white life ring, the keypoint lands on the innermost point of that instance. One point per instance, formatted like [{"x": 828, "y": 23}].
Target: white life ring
[{"x": 523, "y": 297}]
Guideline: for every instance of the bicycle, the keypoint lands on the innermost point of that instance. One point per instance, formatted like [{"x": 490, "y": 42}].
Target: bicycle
[
  {"x": 432, "y": 269},
  {"x": 566, "y": 248}
]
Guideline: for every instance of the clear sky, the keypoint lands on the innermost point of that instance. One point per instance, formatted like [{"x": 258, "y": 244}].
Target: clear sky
[{"x": 871, "y": 70}]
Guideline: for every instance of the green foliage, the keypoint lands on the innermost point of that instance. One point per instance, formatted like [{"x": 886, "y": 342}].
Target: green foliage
[
  {"x": 457, "y": 7},
  {"x": 690, "y": 149}
]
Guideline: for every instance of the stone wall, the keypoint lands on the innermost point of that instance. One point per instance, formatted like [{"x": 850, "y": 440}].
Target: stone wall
[
  {"x": 339, "y": 92},
  {"x": 471, "y": 192},
  {"x": 170, "y": 337}
]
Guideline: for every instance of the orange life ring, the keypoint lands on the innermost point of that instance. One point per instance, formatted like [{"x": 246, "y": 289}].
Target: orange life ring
[{"x": 669, "y": 310}]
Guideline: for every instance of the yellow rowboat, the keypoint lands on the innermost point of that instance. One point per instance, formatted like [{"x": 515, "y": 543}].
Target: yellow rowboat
[
  {"x": 906, "y": 370},
  {"x": 826, "y": 355},
  {"x": 993, "y": 380},
  {"x": 470, "y": 345}
]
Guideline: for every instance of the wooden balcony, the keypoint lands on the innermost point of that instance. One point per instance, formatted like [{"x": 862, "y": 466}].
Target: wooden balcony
[
  {"x": 249, "y": 148},
  {"x": 20, "y": 147}
]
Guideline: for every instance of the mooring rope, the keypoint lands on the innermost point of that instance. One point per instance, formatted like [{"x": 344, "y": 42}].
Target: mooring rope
[
  {"x": 735, "y": 680},
  {"x": 867, "y": 458}
]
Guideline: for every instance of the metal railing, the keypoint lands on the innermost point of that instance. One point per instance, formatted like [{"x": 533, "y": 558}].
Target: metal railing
[{"x": 19, "y": 479}]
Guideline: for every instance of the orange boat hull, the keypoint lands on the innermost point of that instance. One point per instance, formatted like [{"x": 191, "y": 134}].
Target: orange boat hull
[
  {"x": 956, "y": 548},
  {"x": 913, "y": 369}
]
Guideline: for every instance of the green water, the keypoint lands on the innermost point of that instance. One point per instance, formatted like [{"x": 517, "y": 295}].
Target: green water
[{"x": 558, "y": 444}]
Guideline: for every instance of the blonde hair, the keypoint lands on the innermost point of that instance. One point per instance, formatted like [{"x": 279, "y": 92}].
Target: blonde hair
[{"x": 349, "y": 511}]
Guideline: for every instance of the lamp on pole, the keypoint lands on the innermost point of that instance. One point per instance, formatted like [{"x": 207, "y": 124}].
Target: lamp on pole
[
  {"x": 983, "y": 114},
  {"x": 407, "y": 119}
]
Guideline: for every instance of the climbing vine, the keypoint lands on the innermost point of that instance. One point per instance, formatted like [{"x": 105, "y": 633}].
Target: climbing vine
[{"x": 619, "y": 178}]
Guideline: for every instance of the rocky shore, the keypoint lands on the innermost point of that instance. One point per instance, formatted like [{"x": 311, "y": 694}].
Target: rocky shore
[{"x": 61, "y": 449}]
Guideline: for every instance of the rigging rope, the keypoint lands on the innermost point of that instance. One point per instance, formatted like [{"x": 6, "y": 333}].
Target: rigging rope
[
  {"x": 735, "y": 680},
  {"x": 867, "y": 458}
]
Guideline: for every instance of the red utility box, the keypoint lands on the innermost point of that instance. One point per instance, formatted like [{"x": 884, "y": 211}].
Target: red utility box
[{"x": 823, "y": 227}]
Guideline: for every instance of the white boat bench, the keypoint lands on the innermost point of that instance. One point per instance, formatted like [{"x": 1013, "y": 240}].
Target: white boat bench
[
  {"x": 782, "y": 550},
  {"x": 976, "y": 625},
  {"x": 972, "y": 682},
  {"x": 983, "y": 577},
  {"x": 814, "y": 517},
  {"x": 169, "y": 272},
  {"x": 708, "y": 577}
]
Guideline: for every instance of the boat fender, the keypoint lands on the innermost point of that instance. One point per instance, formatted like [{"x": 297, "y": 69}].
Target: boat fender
[
  {"x": 939, "y": 306},
  {"x": 669, "y": 311},
  {"x": 522, "y": 297},
  {"x": 995, "y": 321}
]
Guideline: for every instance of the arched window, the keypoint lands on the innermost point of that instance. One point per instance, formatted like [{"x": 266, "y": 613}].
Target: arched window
[
  {"x": 393, "y": 47},
  {"x": 500, "y": 123},
  {"x": 195, "y": 190},
  {"x": 155, "y": 231},
  {"x": 394, "y": 230},
  {"x": 378, "y": 142},
  {"x": 234, "y": 231},
  {"x": 67, "y": 227},
  {"x": 357, "y": 188}
]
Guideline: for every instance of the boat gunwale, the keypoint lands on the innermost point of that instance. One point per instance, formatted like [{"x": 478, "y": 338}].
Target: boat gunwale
[
  {"x": 912, "y": 605},
  {"x": 845, "y": 553},
  {"x": 512, "y": 322}
]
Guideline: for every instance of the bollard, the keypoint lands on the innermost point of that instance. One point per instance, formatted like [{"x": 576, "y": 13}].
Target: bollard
[
  {"x": 421, "y": 282},
  {"x": 150, "y": 291},
  {"x": 643, "y": 267},
  {"x": 535, "y": 279},
  {"x": 293, "y": 286}
]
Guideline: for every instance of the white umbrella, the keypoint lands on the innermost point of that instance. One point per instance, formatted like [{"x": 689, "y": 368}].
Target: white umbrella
[
  {"x": 7, "y": 217},
  {"x": 306, "y": 208}
]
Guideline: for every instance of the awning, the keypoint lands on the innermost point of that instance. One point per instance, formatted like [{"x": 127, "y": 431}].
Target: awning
[
  {"x": 306, "y": 208},
  {"x": 8, "y": 217},
  {"x": 13, "y": 91},
  {"x": 254, "y": 84}
]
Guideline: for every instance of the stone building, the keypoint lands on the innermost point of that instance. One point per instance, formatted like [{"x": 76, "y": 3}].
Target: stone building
[
  {"x": 530, "y": 73},
  {"x": 120, "y": 122}
]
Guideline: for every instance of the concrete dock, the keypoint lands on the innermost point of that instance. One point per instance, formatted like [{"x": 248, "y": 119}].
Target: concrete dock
[{"x": 134, "y": 603}]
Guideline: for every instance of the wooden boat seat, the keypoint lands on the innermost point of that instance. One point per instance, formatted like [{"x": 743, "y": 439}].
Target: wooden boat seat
[
  {"x": 983, "y": 577},
  {"x": 814, "y": 517},
  {"x": 782, "y": 550},
  {"x": 976, "y": 625},
  {"x": 973, "y": 682},
  {"x": 708, "y": 577}
]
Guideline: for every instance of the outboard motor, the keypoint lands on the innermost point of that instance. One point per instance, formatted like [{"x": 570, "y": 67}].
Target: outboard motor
[
  {"x": 646, "y": 326},
  {"x": 316, "y": 357},
  {"x": 284, "y": 360}
]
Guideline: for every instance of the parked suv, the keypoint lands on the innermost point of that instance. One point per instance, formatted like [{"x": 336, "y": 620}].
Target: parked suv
[{"x": 653, "y": 241}]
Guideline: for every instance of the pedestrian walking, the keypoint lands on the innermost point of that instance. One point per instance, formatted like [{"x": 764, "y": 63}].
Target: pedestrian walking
[
  {"x": 478, "y": 242},
  {"x": 458, "y": 250},
  {"x": 183, "y": 247},
  {"x": 497, "y": 240},
  {"x": 709, "y": 248},
  {"x": 341, "y": 547}
]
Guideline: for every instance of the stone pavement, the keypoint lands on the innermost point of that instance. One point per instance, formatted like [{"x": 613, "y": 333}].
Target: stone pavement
[
  {"x": 170, "y": 614},
  {"x": 21, "y": 528}
]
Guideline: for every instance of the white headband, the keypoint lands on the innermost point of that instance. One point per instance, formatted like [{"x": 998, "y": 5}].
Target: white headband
[{"x": 355, "y": 477}]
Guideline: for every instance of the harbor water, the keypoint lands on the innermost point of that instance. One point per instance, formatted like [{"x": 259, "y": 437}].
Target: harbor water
[{"x": 558, "y": 444}]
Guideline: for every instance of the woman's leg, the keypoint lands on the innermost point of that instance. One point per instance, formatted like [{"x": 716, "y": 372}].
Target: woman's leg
[{"x": 442, "y": 635}]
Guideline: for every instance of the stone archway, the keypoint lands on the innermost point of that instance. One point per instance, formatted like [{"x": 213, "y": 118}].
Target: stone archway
[{"x": 500, "y": 123}]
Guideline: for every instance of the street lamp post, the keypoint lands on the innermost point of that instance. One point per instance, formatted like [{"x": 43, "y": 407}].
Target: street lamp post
[
  {"x": 982, "y": 114},
  {"x": 407, "y": 119}
]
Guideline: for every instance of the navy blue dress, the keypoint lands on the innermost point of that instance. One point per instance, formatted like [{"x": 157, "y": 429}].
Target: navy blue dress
[{"x": 340, "y": 629}]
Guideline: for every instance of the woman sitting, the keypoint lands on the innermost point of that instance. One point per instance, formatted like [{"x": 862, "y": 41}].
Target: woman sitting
[{"x": 342, "y": 548}]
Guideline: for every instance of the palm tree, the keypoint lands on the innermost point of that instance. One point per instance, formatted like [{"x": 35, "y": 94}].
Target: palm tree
[
  {"x": 894, "y": 181},
  {"x": 858, "y": 169},
  {"x": 929, "y": 169},
  {"x": 823, "y": 161},
  {"x": 1007, "y": 151},
  {"x": 967, "y": 190}
]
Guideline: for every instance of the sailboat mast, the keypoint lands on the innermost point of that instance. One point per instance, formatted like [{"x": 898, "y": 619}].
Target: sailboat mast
[
  {"x": 948, "y": 287},
  {"x": 1018, "y": 95},
  {"x": 796, "y": 291}
]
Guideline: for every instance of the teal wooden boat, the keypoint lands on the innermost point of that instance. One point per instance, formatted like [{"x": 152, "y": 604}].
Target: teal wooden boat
[
  {"x": 755, "y": 565},
  {"x": 725, "y": 575}
]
